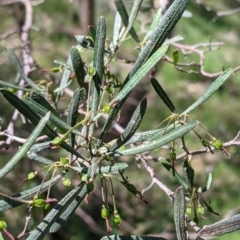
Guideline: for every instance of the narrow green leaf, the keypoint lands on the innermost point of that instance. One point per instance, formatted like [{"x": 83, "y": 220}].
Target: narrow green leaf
[
  {"x": 131, "y": 237},
  {"x": 165, "y": 139},
  {"x": 98, "y": 64},
  {"x": 42, "y": 101},
  {"x": 25, "y": 147},
  {"x": 40, "y": 146},
  {"x": 168, "y": 166},
  {"x": 125, "y": 19},
  {"x": 133, "y": 14},
  {"x": 38, "y": 158},
  {"x": 92, "y": 31},
  {"x": 137, "y": 77},
  {"x": 64, "y": 79},
  {"x": 78, "y": 66},
  {"x": 34, "y": 118},
  {"x": 78, "y": 95},
  {"x": 113, "y": 169},
  {"x": 188, "y": 173},
  {"x": 7, "y": 203},
  {"x": 131, "y": 127},
  {"x": 179, "y": 214},
  {"x": 20, "y": 70},
  {"x": 154, "y": 24},
  {"x": 222, "y": 227},
  {"x": 9, "y": 85},
  {"x": 209, "y": 92},
  {"x": 43, "y": 228},
  {"x": 37, "y": 108},
  {"x": 209, "y": 183},
  {"x": 116, "y": 32},
  {"x": 162, "y": 94},
  {"x": 66, "y": 215}
]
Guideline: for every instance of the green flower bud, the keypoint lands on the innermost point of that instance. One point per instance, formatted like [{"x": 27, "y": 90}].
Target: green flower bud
[
  {"x": 2, "y": 224},
  {"x": 200, "y": 210},
  {"x": 117, "y": 219},
  {"x": 106, "y": 108},
  {"x": 57, "y": 141},
  {"x": 84, "y": 178},
  {"x": 205, "y": 143},
  {"x": 105, "y": 213},
  {"x": 66, "y": 182},
  {"x": 12, "y": 90},
  {"x": 91, "y": 71},
  {"x": 47, "y": 208},
  {"x": 173, "y": 156},
  {"x": 63, "y": 160},
  {"x": 189, "y": 211},
  {"x": 55, "y": 69},
  {"x": 39, "y": 202},
  {"x": 31, "y": 175},
  {"x": 217, "y": 144}
]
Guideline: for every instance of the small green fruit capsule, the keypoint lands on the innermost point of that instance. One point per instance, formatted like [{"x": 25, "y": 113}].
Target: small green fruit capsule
[
  {"x": 66, "y": 182},
  {"x": 117, "y": 219},
  {"x": 90, "y": 187},
  {"x": 46, "y": 208},
  {"x": 217, "y": 144},
  {"x": 173, "y": 156},
  {"x": 31, "y": 175},
  {"x": 188, "y": 211},
  {"x": 63, "y": 160},
  {"x": 205, "y": 143},
  {"x": 91, "y": 71},
  {"x": 105, "y": 213},
  {"x": 55, "y": 69},
  {"x": 2, "y": 224},
  {"x": 39, "y": 203},
  {"x": 57, "y": 141},
  {"x": 200, "y": 210}
]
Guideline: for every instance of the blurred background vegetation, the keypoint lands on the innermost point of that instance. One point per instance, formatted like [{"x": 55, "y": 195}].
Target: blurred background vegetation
[{"x": 54, "y": 25}]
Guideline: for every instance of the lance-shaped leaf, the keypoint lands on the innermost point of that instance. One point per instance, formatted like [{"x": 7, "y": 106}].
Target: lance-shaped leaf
[
  {"x": 179, "y": 214},
  {"x": 78, "y": 66},
  {"x": 133, "y": 14},
  {"x": 20, "y": 70},
  {"x": 113, "y": 169},
  {"x": 162, "y": 94},
  {"x": 42, "y": 101},
  {"x": 131, "y": 237},
  {"x": 43, "y": 228},
  {"x": 98, "y": 64},
  {"x": 40, "y": 146},
  {"x": 169, "y": 167},
  {"x": 39, "y": 109},
  {"x": 92, "y": 31},
  {"x": 138, "y": 76},
  {"x": 34, "y": 118},
  {"x": 209, "y": 92},
  {"x": 188, "y": 173},
  {"x": 154, "y": 24},
  {"x": 209, "y": 183},
  {"x": 24, "y": 149},
  {"x": 222, "y": 227},
  {"x": 131, "y": 127},
  {"x": 78, "y": 95},
  {"x": 165, "y": 139},
  {"x": 66, "y": 215},
  {"x": 116, "y": 32},
  {"x": 7, "y": 203},
  {"x": 159, "y": 35},
  {"x": 9, "y": 85},
  {"x": 38, "y": 158},
  {"x": 125, "y": 19},
  {"x": 64, "y": 79},
  {"x": 108, "y": 123}
]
